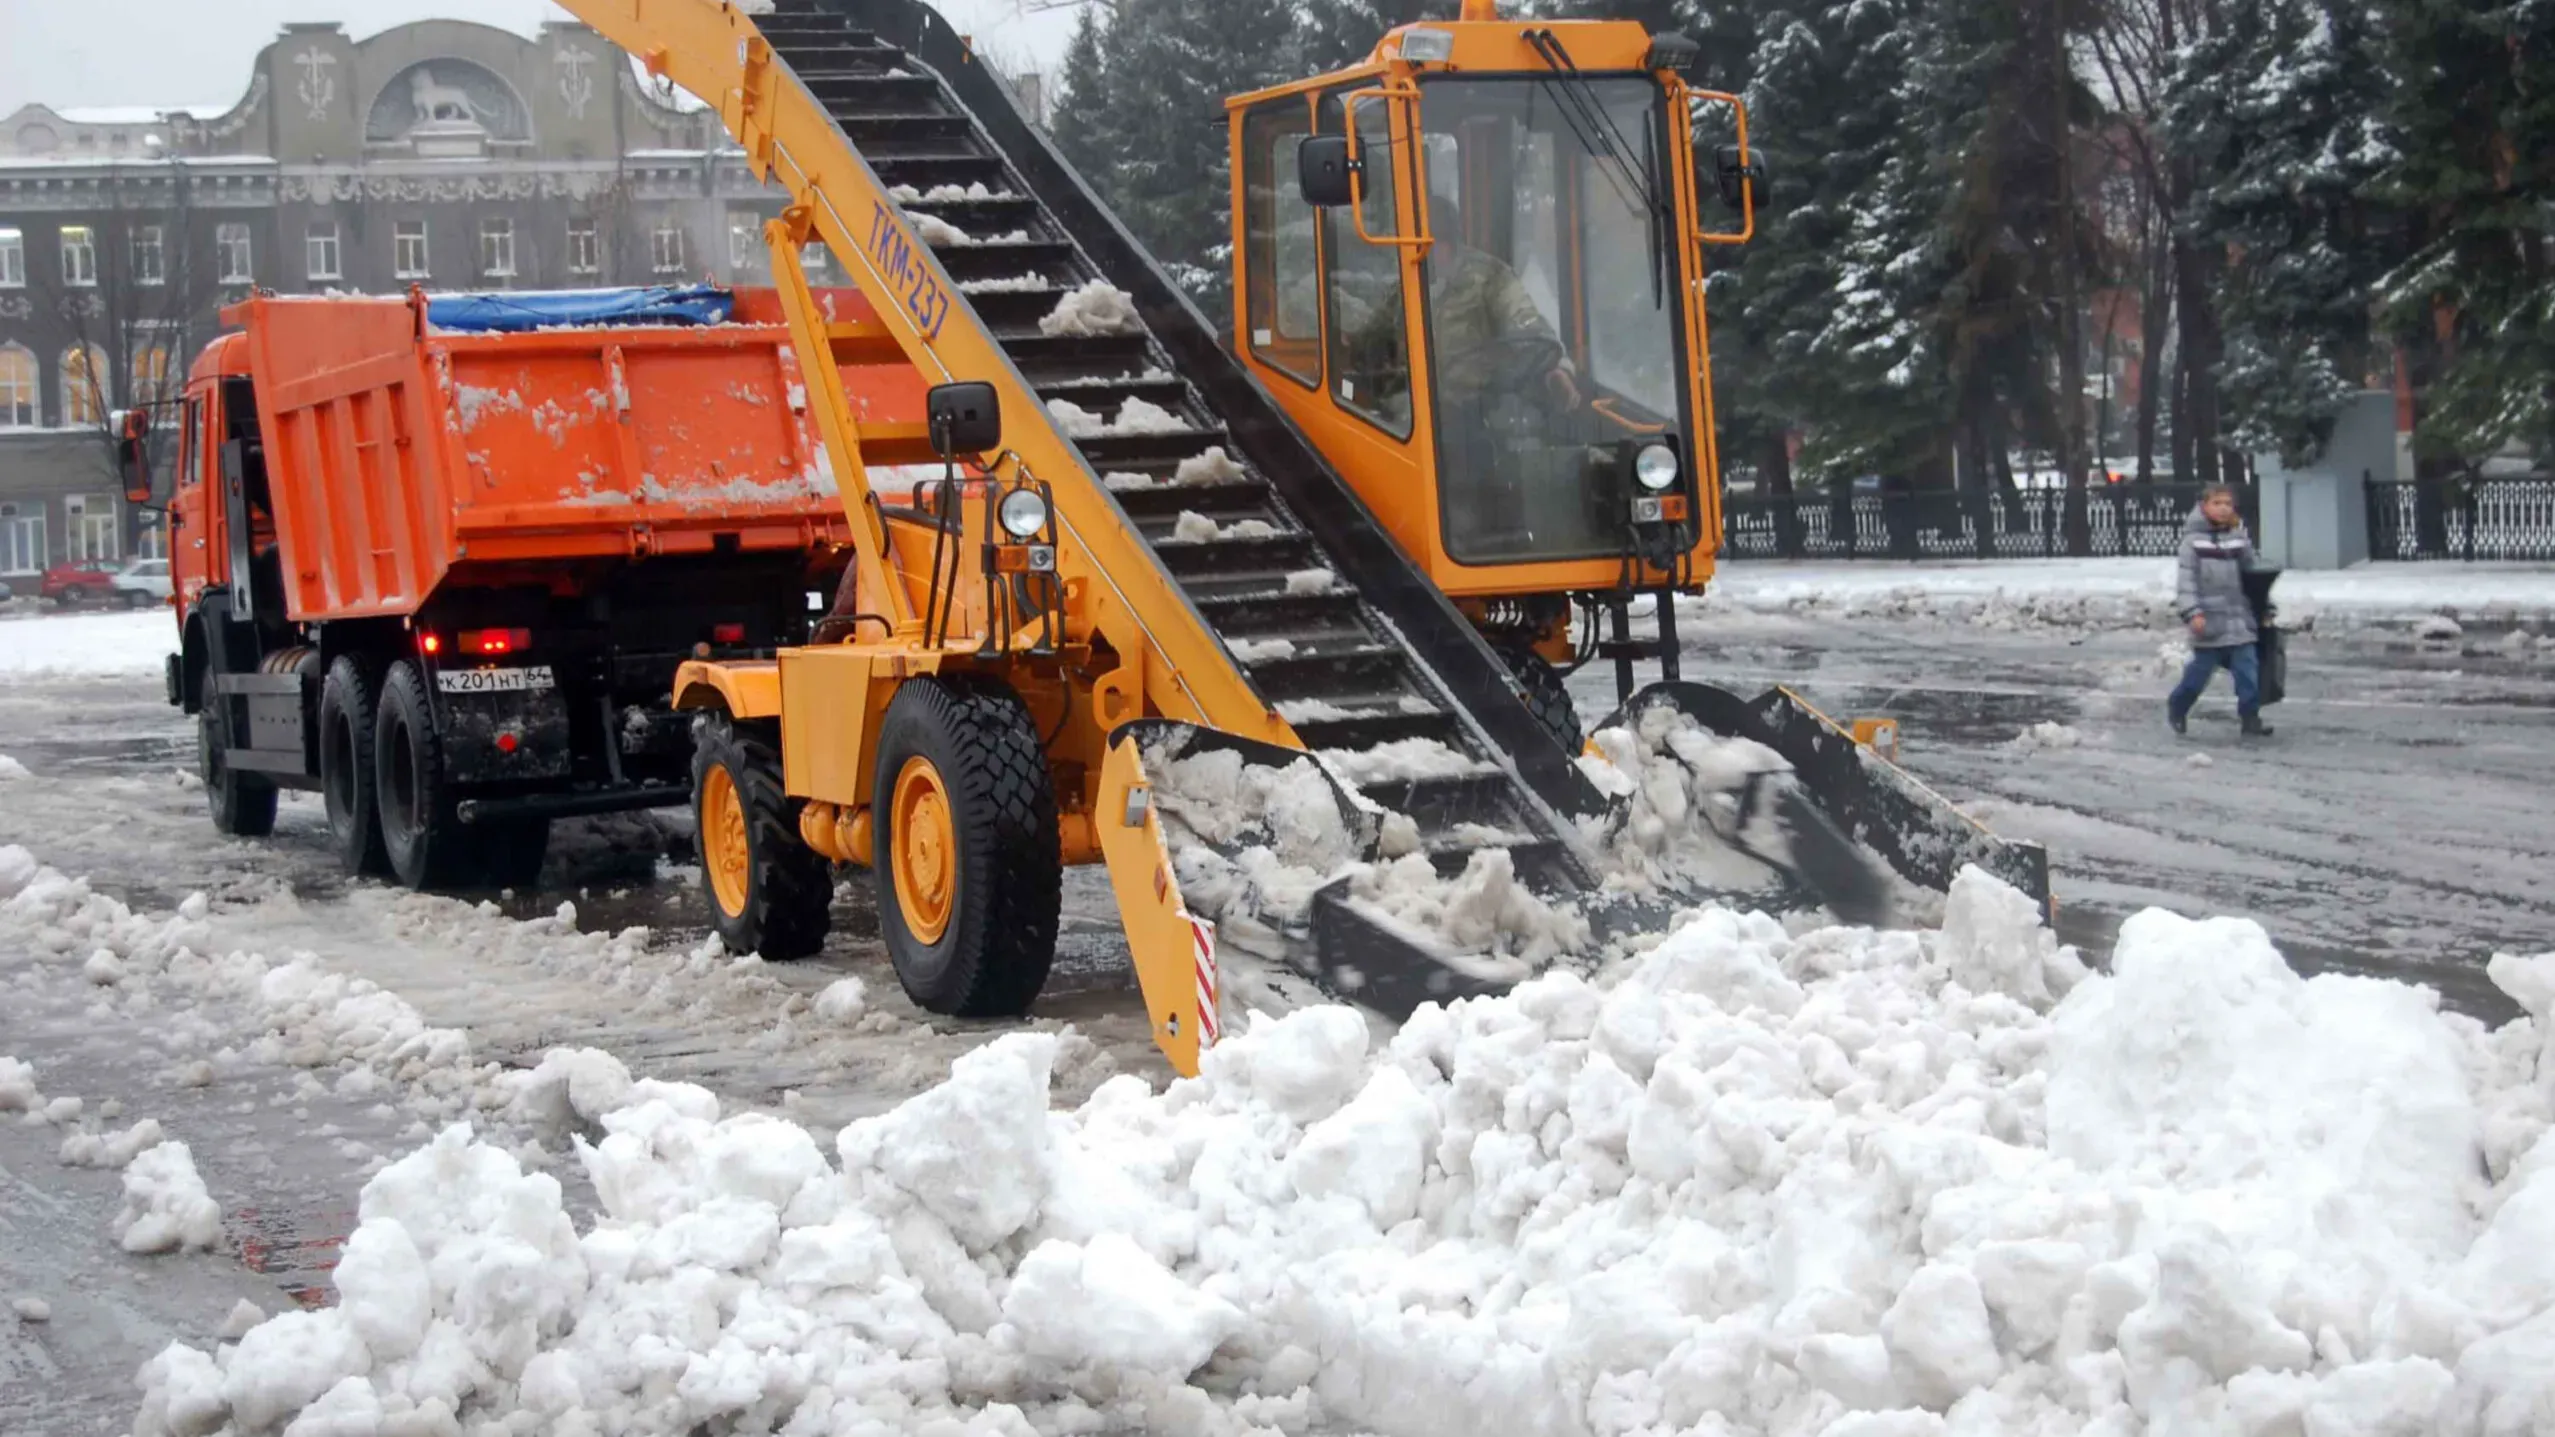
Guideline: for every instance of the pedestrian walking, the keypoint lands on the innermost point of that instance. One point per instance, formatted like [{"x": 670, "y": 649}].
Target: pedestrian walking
[{"x": 2209, "y": 594}]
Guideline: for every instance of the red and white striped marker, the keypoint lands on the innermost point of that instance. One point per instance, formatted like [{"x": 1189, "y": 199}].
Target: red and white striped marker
[{"x": 1202, "y": 955}]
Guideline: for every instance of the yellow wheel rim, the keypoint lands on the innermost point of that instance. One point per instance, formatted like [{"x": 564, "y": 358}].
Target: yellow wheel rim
[
  {"x": 725, "y": 852},
  {"x": 926, "y": 849}
]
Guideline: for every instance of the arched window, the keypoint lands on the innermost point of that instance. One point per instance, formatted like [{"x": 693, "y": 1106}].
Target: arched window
[
  {"x": 84, "y": 374},
  {"x": 151, "y": 379},
  {"x": 18, "y": 379}
]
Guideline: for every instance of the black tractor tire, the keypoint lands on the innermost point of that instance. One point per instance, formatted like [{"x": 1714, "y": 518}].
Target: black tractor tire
[
  {"x": 427, "y": 846},
  {"x": 243, "y": 804},
  {"x": 346, "y": 716},
  {"x": 1547, "y": 698},
  {"x": 512, "y": 851},
  {"x": 1001, "y": 884},
  {"x": 778, "y": 898}
]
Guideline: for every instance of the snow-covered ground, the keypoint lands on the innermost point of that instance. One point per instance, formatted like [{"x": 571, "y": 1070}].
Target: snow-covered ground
[
  {"x": 2124, "y": 591},
  {"x": 86, "y": 645},
  {"x": 1839, "y": 1184}
]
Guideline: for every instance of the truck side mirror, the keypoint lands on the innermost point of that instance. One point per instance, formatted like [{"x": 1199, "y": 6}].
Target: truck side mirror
[
  {"x": 1740, "y": 176},
  {"x": 966, "y": 418},
  {"x": 133, "y": 454},
  {"x": 1326, "y": 171}
]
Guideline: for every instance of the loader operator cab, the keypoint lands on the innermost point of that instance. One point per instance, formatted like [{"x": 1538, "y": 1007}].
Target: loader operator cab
[{"x": 1471, "y": 269}]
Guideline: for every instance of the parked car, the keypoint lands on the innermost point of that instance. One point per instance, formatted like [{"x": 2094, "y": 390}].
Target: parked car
[
  {"x": 143, "y": 582},
  {"x": 75, "y": 582}
]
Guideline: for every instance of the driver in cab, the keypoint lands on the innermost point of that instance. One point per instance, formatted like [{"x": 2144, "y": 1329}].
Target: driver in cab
[{"x": 1477, "y": 305}]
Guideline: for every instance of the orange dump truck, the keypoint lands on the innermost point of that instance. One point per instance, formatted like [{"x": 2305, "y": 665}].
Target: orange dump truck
[{"x": 438, "y": 559}]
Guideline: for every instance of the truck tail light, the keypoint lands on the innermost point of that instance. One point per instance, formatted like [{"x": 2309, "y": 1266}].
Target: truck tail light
[
  {"x": 430, "y": 644},
  {"x": 727, "y": 633},
  {"x": 486, "y": 642}
]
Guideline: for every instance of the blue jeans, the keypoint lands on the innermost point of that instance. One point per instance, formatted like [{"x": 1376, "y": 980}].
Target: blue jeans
[{"x": 2242, "y": 660}]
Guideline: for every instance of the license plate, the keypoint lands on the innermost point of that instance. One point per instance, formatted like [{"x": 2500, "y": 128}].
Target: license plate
[{"x": 495, "y": 681}]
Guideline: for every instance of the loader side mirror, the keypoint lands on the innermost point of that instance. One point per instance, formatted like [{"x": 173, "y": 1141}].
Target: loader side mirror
[
  {"x": 1740, "y": 176},
  {"x": 133, "y": 454},
  {"x": 1326, "y": 171},
  {"x": 966, "y": 418}
]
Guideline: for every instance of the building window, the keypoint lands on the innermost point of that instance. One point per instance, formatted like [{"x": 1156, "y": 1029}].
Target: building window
[
  {"x": 147, "y": 260},
  {"x": 410, "y": 260},
  {"x": 13, "y": 258},
  {"x": 667, "y": 248},
  {"x": 151, "y": 540},
  {"x": 585, "y": 248},
  {"x": 231, "y": 250},
  {"x": 22, "y": 539},
  {"x": 79, "y": 255},
  {"x": 497, "y": 248},
  {"x": 150, "y": 373},
  {"x": 744, "y": 240},
  {"x": 84, "y": 385},
  {"x": 815, "y": 258},
  {"x": 91, "y": 519},
  {"x": 319, "y": 252},
  {"x": 18, "y": 379}
]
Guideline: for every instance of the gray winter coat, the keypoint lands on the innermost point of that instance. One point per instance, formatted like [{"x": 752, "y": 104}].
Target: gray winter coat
[{"x": 2209, "y": 582}]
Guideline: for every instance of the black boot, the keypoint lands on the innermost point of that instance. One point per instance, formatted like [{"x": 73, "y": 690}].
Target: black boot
[
  {"x": 2180, "y": 723},
  {"x": 2254, "y": 727}
]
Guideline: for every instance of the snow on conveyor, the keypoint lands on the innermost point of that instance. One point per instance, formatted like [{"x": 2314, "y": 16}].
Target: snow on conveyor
[{"x": 1840, "y": 1185}]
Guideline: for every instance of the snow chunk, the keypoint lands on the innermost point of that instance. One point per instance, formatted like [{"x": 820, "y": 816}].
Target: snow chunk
[
  {"x": 17, "y": 1086},
  {"x": 1196, "y": 528},
  {"x": 1213, "y": 467},
  {"x": 286, "y": 1364},
  {"x": 1252, "y": 651},
  {"x": 11, "y": 769},
  {"x": 843, "y": 1001},
  {"x": 1097, "y": 308},
  {"x": 2046, "y": 735},
  {"x": 975, "y": 1151},
  {"x": 1994, "y": 942},
  {"x": 2438, "y": 629},
  {"x": 32, "y": 1309},
  {"x": 1941, "y": 1344},
  {"x": 1409, "y": 758},
  {"x": 110, "y": 1150},
  {"x": 936, "y": 231},
  {"x": 572, "y": 1086},
  {"x": 1374, "y": 1150},
  {"x": 1110, "y": 1305},
  {"x": 165, "y": 1205},
  {"x": 1311, "y": 581}
]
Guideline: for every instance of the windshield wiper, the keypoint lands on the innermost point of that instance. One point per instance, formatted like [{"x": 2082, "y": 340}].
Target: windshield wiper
[{"x": 1600, "y": 135}]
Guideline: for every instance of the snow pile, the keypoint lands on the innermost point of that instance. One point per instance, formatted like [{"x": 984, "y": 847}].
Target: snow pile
[
  {"x": 1311, "y": 581},
  {"x": 1213, "y": 467},
  {"x": 1680, "y": 785},
  {"x": 1014, "y": 284},
  {"x": 2044, "y": 735},
  {"x": 936, "y": 231},
  {"x": 1120, "y": 481},
  {"x": 11, "y": 769},
  {"x": 1196, "y": 528},
  {"x": 1812, "y": 1186},
  {"x": 124, "y": 645},
  {"x": 110, "y": 1150},
  {"x": 1251, "y": 840},
  {"x": 166, "y": 1208},
  {"x": 1254, "y": 651},
  {"x": 1136, "y": 416},
  {"x": 1402, "y": 759},
  {"x": 843, "y": 1001},
  {"x": 2438, "y": 629},
  {"x": 1097, "y": 308}
]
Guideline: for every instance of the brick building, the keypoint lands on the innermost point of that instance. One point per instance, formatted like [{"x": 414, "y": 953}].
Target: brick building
[{"x": 442, "y": 154}]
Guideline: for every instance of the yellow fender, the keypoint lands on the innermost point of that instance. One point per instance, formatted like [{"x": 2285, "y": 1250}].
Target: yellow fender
[
  {"x": 750, "y": 689},
  {"x": 1174, "y": 951}
]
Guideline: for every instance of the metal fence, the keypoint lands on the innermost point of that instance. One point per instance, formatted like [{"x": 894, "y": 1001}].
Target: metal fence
[
  {"x": 2503, "y": 519},
  {"x": 2122, "y": 520}
]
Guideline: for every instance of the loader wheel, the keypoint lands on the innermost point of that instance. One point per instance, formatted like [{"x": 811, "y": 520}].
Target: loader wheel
[
  {"x": 769, "y": 892},
  {"x": 969, "y": 868},
  {"x": 1547, "y": 698},
  {"x": 243, "y": 804},
  {"x": 511, "y": 852},
  {"x": 346, "y": 768},
  {"x": 426, "y": 844}
]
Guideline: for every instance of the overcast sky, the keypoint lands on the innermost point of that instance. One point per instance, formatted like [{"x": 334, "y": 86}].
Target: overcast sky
[{"x": 191, "y": 52}]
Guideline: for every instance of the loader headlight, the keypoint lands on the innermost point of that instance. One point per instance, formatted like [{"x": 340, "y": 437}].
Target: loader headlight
[
  {"x": 1655, "y": 467},
  {"x": 1024, "y": 513}
]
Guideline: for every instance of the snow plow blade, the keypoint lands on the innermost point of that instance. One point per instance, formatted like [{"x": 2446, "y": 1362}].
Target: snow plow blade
[
  {"x": 1842, "y": 800},
  {"x": 1341, "y": 945}
]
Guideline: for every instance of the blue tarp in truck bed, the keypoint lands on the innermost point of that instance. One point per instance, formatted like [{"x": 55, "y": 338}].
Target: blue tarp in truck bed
[{"x": 515, "y": 313}]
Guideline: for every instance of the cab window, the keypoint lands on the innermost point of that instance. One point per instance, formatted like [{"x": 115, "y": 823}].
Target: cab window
[
  {"x": 1369, "y": 336},
  {"x": 1282, "y": 268}
]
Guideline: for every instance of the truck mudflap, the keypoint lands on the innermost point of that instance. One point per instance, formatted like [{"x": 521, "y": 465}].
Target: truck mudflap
[{"x": 1840, "y": 799}]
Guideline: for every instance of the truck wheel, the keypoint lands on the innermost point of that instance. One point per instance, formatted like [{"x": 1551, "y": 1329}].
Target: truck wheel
[
  {"x": 511, "y": 852},
  {"x": 243, "y": 803},
  {"x": 346, "y": 767},
  {"x": 425, "y": 843},
  {"x": 967, "y": 858},
  {"x": 1547, "y": 698},
  {"x": 769, "y": 892}
]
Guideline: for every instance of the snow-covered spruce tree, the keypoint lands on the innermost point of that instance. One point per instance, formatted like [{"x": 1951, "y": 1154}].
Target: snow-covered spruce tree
[
  {"x": 1173, "y": 63},
  {"x": 2470, "y": 121},
  {"x": 2275, "y": 114},
  {"x": 1086, "y": 122},
  {"x": 1344, "y": 32}
]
